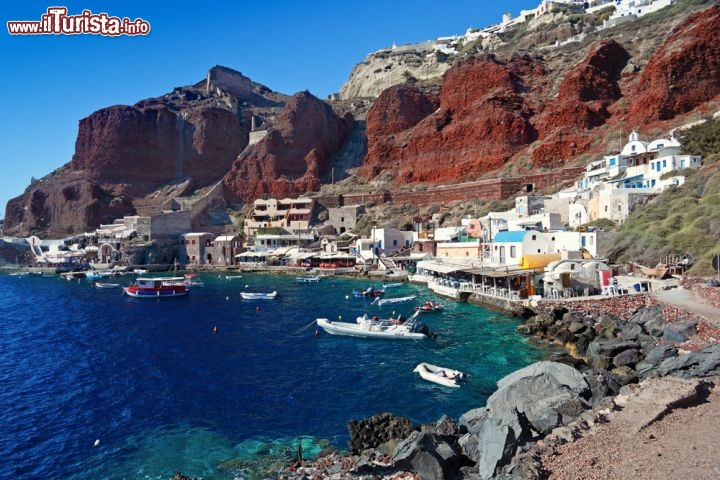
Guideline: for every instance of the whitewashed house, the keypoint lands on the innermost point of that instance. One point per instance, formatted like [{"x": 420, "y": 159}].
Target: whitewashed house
[{"x": 507, "y": 248}]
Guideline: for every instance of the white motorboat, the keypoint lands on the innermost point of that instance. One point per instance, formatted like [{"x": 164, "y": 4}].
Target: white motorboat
[
  {"x": 374, "y": 327},
  {"x": 105, "y": 285},
  {"x": 440, "y": 375},
  {"x": 313, "y": 279},
  {"x": 393, "y": 285},
  {"x": 232, "y": 277},
  {"x": 384, "y": 302},
  {"x": 258, "y": 295}
]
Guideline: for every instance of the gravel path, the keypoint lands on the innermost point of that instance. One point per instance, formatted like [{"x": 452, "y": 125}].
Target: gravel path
[
  {"x": 685, "y": 300},
  {"x": 680, "y": 444}
]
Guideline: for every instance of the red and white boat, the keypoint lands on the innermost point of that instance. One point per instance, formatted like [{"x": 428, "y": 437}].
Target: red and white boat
[
  {"x": 429, "y": 306},
  {"x": 158, "y": 287}
]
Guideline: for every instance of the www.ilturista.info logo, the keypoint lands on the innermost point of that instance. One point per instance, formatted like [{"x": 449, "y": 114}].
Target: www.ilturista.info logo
[{"x": 57, "y": 22}]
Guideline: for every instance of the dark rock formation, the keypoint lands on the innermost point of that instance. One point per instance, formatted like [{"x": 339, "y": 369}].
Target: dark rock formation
[
  {"x": 429, "y": 455},
  {"x": 376, "y": 430}
]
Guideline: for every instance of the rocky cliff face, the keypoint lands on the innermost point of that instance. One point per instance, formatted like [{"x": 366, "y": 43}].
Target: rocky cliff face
[
  {"x": 124, "y": 153},
  {"x": 546, "y": 109},
  {"x": 683, "y": 73},
  {"x": 480, "y": 123},
  {"x": 394, "y": 66},
  {"x": 293, "y": 156},
  {"x": 525, "y": 106},
  {"x": 149, "y": 145}
]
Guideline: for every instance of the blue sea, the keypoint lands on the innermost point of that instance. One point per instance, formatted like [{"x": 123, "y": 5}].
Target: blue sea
[{"x": 162, "y": 392}]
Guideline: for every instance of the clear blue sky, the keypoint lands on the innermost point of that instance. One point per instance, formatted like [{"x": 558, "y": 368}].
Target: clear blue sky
[{"x": 50, "y": 82}]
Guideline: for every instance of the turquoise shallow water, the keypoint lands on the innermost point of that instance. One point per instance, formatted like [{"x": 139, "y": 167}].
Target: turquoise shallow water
[{"x": 163, "y": 393}]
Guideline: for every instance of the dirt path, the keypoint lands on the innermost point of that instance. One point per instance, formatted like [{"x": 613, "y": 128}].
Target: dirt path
[
  {"x": 678, "y": 444},
  {"x": 683, "y": 299}
]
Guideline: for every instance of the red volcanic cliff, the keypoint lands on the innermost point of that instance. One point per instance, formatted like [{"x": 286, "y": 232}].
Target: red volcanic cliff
[
  {"x": 125, "y": 152},
  {"x": 582, "y": 104},
  {"x": 683, "y": 73},
  {"x": 480, "y": 123},
  {"x": 492, "y": 111},
  {"x": 294, "y": 154},
  {"x": 147, "y": 147}
]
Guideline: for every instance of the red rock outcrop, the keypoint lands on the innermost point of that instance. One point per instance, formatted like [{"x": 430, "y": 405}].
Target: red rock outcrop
[
  {"x": 294, "y": 154},
  {"x": 147, "y": 147},
  {"x": 581, "y": 105},
  {"x": 125, "y": 152},
  {"x": 480, "y": 123},
  {"x": 683, "y": 73}
]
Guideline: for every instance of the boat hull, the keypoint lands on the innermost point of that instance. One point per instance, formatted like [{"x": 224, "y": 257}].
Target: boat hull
[
  {"x": 258, "y": 296},
  {"x": 440, "y": 375},
  {"x": 368, "y": 331},
  {"x": 155, "y": 293}
]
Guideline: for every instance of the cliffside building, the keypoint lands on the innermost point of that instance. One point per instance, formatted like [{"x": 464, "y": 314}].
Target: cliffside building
[{"x": 292, "y": 214}]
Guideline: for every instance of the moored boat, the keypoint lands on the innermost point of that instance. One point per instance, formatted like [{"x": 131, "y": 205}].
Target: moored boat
[
  {"x": 157, "y": 287},
  {"x": 258, "y": 295},
  {"x": 429, "y": 307},
  {"x": 368, "y": 293},
  {"x": 373, "y": 327},
  {"x": 440, "y": 375},
  {"x": 105, "y": 285},
  {"x": 383, "y": 302},
  {"x": 313, "y": 279},
  {"x": 393, "y": 285}
]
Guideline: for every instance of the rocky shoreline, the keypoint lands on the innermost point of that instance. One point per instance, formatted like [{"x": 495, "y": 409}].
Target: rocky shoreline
[{"x": 619, "y": 350}]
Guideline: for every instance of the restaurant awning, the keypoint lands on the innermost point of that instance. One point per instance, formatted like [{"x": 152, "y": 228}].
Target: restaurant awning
[{"x": 440, "y": 267}]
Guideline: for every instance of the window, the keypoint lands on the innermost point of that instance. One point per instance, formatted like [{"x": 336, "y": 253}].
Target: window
[
  {"x": 512, "y": 251},
  {"x": 664, "y": 163},
  {"x": 534, "y": 237},
  {"x": 572, "y": 266},
  {"x": 606, "y": 208},
  {"x": 395, "y": 243}
]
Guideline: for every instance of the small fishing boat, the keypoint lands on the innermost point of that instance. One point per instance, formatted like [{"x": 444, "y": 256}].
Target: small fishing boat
[
  {"x": 313, "y": 279},
  {"x": 232, "y": 277},
  {"x": 429, "y": 307},
  {"x": 368, "y": 293},
  {"x": 105, "y": 285},
  {"x": 374, "y": 327},
  {"x": 157, "y": 287},
  {"x": 440, "y": 375},
  {"x": 393, "y": 285},
  {"x": 258, "y": 295},
  {"x": 384, "y": 302}
]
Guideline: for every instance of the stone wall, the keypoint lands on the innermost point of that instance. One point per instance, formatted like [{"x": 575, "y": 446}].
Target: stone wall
[
  {"x": 493, "y": 189},
  {"x": 171, "y": 225}
]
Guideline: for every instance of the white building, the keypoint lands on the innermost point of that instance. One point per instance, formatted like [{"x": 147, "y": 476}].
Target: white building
[
  {"x": 290, "y": 213},
  {"x": 383, "y": 242},
  {"x": 638, "y": 8}
]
